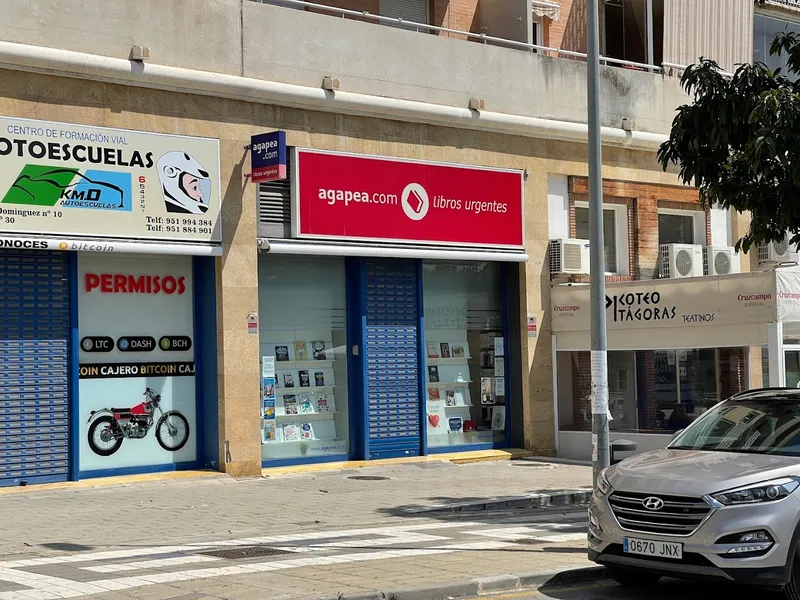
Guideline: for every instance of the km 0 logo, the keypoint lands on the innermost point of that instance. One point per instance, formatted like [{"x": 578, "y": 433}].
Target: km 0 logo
[{"x": 39, "y": 185}]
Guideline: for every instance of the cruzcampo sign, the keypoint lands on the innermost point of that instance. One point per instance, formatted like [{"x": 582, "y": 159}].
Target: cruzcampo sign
[{"x": 72, "y": 180}]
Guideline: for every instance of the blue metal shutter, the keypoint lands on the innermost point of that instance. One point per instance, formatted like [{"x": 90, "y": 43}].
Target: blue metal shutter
[
  {"x": 392, "y": 361},
  {"x": 34, "y": 359}
]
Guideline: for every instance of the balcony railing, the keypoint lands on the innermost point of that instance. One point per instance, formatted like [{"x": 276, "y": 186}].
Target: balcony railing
[{"x": 477, "y": 37}]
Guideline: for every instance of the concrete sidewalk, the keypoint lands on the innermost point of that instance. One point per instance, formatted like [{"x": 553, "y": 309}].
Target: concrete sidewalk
[{"x": 392, "y": 528}]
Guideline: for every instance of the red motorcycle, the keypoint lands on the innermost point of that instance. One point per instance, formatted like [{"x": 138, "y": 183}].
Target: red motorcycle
[{"x": 116, "y": 424}]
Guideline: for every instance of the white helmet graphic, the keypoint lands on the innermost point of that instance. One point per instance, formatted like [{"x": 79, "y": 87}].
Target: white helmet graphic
[{"x": 185, "y": 183}]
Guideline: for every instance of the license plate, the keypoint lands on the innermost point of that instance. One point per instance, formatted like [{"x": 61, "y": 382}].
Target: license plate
[{"x": 651, "y": 548}]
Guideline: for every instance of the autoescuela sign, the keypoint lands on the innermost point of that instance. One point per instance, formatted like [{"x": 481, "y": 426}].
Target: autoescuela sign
[
  {"x": 369, "y": 198},
  {"x": 64, "y": 179}
]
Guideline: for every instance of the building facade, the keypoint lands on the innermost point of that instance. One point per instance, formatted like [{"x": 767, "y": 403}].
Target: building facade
[{"x": 237, "y": 325}]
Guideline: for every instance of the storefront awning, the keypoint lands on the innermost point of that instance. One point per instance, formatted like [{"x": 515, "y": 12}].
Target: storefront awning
[
  {"x": 75, "y": 244},
  {"x": 698, "y": 312},
  {"x": 541, "y": 8},
  {"x": 330, "y": 249}
]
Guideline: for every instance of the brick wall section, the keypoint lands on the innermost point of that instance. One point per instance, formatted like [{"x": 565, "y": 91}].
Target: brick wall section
[
  {"x": 643, "y": 201},
  {"x": 455, "y": 14},
  {"x": 569, "y": 32},
  {"x": 647, "y": 252},
  {"x": 581, "y": 389}
]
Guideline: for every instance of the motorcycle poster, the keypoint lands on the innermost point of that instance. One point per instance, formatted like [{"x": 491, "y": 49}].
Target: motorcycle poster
[{"x": 137, "y": 396}]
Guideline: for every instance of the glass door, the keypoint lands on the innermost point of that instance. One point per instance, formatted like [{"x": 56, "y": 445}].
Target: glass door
[{"x": 791, "y": 357}]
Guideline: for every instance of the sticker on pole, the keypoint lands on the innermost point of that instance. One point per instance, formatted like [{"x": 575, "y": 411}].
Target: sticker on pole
[{"x": 599, "y": 394}]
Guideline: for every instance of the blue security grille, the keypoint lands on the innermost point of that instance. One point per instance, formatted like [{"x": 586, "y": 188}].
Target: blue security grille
[
  {"x": 34, "y": 336},
  {"x": 392, "y": 360}
]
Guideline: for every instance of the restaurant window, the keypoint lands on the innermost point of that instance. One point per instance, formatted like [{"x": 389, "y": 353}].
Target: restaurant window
[
  {"x": 613, "y": 218},
  {"x": 650, "y": 391}
]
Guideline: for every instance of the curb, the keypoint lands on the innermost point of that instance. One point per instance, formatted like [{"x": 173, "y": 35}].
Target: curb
[
  {"x": 576, "y": 497},
  {"x": 485, "y": 585}
]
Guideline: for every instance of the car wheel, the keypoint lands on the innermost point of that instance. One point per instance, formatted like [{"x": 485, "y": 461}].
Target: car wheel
[
  {"x": 636, "y": 578},
  {"x": 792, "y": 589}
]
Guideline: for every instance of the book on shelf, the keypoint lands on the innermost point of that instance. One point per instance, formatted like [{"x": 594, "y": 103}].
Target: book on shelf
[
  {"x": 457, "y": 350},
  {"x": 445, "y": 348},
  {"x": 433, "y": 350},
  {"x": 318, "y": 351},
  {"x": 290, "y": 405},
  {"x": 450, "y": 398},
  {"x": 433, "y": 374},
  {"x": 304, "y": 378},
  {"x": 319, "y": 378},
  {"x": 281, "y": 353},
  {"x": 434, "y": 394},
  {"x": 291, "y": 433},
  {"x": 300, "y": 351},
  {"x": 304, "y": 403},
  {"x": 322, "y": 403}
]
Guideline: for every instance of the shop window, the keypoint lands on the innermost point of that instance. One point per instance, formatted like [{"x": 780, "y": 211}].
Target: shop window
[
  {"x": 465, "y": 365},
  {"x": 626, "y": 34},
  {"x": 681, "y": 227},
  {"x": 302, "y": 306},
  {"x": 765, "y": 28},
  {"x": 614, "y": 223},
  {"x": 650, "y": 391}
]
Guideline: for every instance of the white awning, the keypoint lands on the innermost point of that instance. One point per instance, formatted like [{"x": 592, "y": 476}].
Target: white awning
[
  {"x": 329, "y": 249},
  {"x": 541, "y": 8},
  {"x": 74, "y": 244}
]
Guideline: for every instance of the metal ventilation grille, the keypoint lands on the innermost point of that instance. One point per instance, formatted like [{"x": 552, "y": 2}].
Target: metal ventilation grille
[
  {"x": 555, "y": 257},
  {"x": 683, "y": 262},
  {"x": 274, "y": 209},
  {"x": 665, "y": 272},
  {"x": 722, "y": 263},
  {"x": 781, "y": 248},
  {"x": 572, "y": 257}
]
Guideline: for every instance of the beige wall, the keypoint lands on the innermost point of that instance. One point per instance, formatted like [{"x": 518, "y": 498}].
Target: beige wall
[{"x": 70, "y": 100}]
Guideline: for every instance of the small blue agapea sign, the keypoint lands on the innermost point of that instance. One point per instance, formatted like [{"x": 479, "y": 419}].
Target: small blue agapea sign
[{"x": 268, "y": 156}]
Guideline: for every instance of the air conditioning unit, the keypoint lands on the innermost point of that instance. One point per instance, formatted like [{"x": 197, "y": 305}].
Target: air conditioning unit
[
  {"x": 720, "y": 260},
  {"x": 569, "y": 257},
  {"x": 777, "y": 253},
  {"x": 681, "y": 260}
]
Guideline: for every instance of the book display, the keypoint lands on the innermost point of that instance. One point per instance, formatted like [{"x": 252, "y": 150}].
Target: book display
[
  {"x": 303, "y": 409},
  {"x": 465, "y": 368}
]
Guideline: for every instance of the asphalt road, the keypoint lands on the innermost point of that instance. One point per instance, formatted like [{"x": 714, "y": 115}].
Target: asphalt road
[{"x": 665, "y": 590}]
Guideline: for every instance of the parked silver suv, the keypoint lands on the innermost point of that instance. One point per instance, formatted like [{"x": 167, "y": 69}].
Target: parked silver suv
[{"x": 721, "y": 501}]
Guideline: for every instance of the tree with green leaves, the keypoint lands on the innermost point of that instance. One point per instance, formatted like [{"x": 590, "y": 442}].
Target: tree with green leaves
[{"x": 738, "y": 143}]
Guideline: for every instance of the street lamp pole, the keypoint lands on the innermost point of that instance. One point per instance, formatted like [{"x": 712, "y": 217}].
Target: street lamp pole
[{"x": 599, "y": 360}]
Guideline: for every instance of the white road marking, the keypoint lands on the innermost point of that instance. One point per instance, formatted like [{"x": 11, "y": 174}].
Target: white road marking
[{"x": 159, "y": 563}]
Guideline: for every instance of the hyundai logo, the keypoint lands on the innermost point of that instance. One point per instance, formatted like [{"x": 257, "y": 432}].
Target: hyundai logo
[{"x": 653, "y": 503}]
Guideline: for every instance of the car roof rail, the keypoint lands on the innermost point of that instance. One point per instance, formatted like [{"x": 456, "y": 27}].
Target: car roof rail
[{"x": 764, "y": 389}]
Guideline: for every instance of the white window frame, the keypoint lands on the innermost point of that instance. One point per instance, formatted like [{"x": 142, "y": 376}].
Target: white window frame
[
  {"x": 698, "y": 220},
  {"x": 623, "y": 251}
]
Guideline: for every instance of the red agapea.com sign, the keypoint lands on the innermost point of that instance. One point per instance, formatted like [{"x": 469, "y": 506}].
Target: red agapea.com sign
[{"x": 364, "y": 198}]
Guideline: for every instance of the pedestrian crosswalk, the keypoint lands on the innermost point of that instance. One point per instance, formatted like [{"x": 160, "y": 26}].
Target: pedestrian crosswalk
[{"x": 89, "y": 573}]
